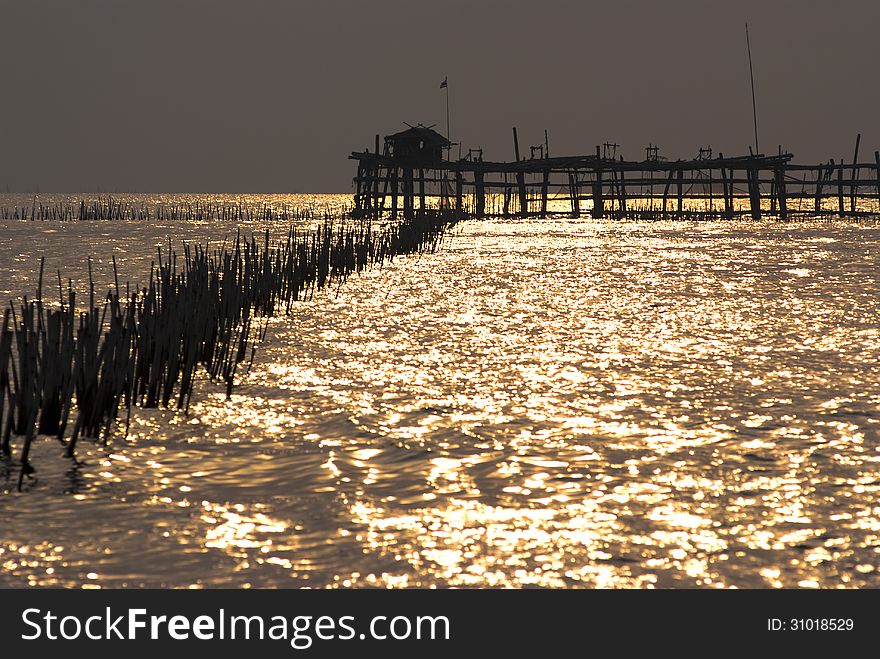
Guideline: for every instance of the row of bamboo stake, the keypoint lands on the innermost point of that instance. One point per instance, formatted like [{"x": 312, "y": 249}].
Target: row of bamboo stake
[
  {"x": 69, "y": 372},
  {"x": 108, "y": 208}
]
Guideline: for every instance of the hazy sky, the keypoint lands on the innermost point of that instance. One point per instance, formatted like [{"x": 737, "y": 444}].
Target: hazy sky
[{"x": 272, "y": 96}]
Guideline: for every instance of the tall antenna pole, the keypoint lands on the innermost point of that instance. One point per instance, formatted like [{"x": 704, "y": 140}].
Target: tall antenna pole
[{"x": 752, "y": 77}]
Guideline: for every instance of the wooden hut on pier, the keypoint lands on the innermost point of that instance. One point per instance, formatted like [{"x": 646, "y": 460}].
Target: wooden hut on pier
[
  {"x": 417, "y": 146},
  {"x": 408, "y": 156}
]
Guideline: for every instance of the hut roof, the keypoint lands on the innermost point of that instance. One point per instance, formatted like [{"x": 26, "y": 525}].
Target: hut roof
[{"x": 420, "y": 132}]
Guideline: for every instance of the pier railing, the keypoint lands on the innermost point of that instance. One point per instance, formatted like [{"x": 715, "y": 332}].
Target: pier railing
[{"x": 755, "y": 186}]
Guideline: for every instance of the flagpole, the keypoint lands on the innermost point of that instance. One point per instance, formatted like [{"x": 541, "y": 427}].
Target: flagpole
[
  {"x": 445, "y": 187},
  {"x": 448, "y": 134}
]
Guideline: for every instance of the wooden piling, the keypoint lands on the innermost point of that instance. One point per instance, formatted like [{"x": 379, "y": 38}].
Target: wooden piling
[
  {"x": 726, "y": 190},
  {"x": 877, "y": 172},
  {"x": 781, "y": 192},
  {"x": 394, "y": 184},
  {"x": 386, "y": 186},
  {"x": 376, "y": 201},
  {"x": 855, "y": 174},
  {"x": 679, "y": 187},
  {"x": 754, "y": 191},
  {"x": 408, "y": 192},
  {"x": 480, "y": 191},
  {"x": 574, "y": 192},
  {"x": 666, "y": 191},
  {"x": 598, "y": 202},
  {"x": 773, "y": 194},
  {"x": 523, "y": 197},
  {"x": 711, "y": 206},
  {"x": 545, "y": 186}
]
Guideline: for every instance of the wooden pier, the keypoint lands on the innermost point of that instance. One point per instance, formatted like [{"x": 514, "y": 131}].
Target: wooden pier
[{"x": 409, "y": 172}]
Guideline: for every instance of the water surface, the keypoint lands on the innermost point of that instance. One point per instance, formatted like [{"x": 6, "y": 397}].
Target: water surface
[{"x": 557, "y": 403}]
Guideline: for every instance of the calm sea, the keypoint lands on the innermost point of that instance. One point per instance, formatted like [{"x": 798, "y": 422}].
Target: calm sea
[{"x": 551, "y": 402}]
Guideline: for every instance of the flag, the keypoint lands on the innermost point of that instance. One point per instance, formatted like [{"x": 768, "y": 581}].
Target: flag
[{"x": 443, "y": 84}]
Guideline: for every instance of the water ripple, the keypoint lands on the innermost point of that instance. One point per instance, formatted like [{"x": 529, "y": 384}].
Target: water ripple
[{"x": 560, "y": 403}]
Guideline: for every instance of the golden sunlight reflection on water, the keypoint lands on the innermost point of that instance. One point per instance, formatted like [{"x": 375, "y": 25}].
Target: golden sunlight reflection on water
[{"x": 559, "y": 403}]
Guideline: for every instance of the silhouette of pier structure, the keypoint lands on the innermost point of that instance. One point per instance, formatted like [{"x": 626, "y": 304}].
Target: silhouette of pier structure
[{"x": 409, "y": 172}]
